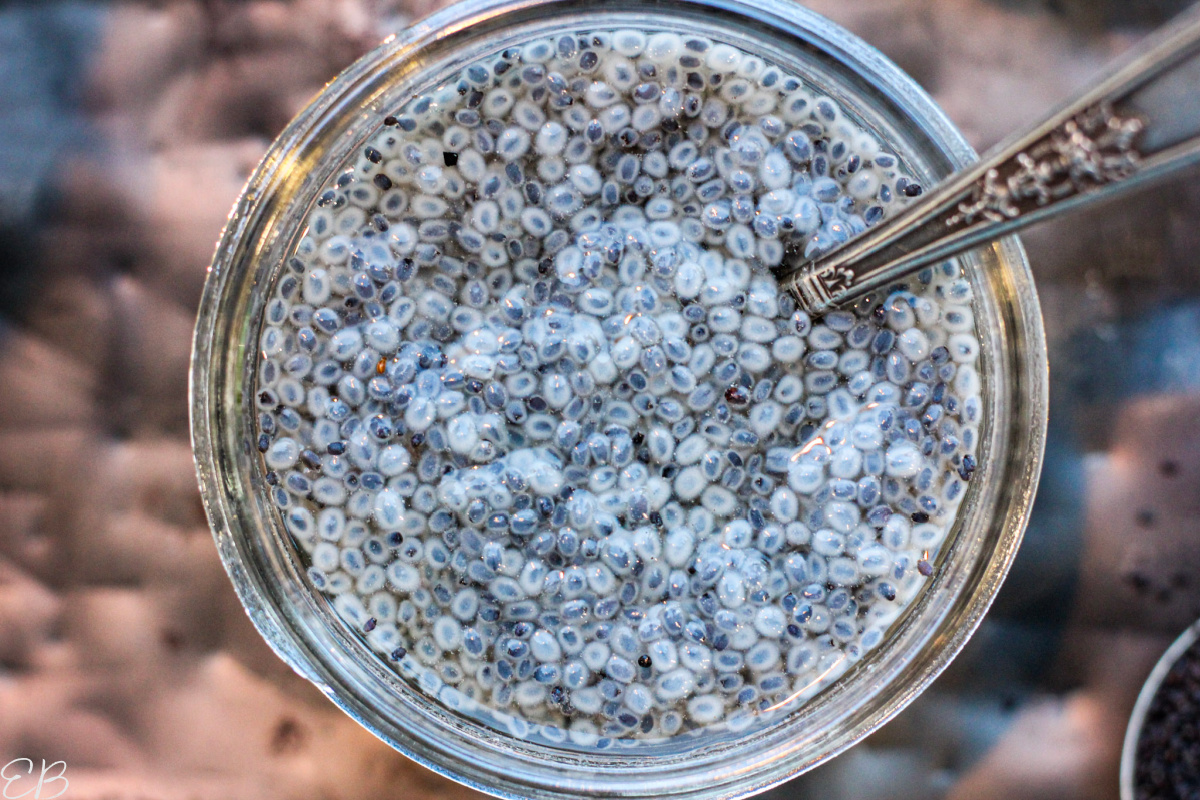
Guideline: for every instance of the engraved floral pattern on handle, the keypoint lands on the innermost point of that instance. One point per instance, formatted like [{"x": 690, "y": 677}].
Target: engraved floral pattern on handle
[
  {"x": 1095, "y": 147},
  {"x": 841, "y": 279},
  {"x": 817, "y": 289}
]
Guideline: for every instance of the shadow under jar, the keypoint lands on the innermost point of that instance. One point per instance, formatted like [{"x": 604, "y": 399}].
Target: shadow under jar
[{"x": 780, "y": 708}]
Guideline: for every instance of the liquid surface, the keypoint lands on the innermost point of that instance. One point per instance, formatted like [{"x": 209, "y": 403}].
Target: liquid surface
[{"x": 534, "y": 408}]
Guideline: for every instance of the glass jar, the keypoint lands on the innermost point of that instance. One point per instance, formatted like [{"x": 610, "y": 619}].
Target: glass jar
[{"x": 300, "y": 624}]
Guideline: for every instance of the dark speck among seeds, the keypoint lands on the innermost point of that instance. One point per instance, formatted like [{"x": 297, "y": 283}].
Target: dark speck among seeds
[
  {"x": 449, "y": 159},
  {"x": 968, "y": 467}
]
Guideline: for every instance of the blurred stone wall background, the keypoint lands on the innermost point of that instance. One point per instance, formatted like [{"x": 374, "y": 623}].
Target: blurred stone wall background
[{"x": 126, "y": 131}]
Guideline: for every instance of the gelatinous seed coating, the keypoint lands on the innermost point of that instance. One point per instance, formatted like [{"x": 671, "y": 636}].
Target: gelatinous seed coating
[
  {"x": 533, "y": 405},
  {"x": 1167, "y": 766}
]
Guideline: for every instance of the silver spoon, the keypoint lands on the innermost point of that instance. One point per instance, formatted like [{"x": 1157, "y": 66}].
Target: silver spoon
[{"x": 1139, "y": 123}]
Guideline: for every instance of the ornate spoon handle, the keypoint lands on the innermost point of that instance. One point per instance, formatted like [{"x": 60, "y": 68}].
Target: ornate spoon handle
[{"x": 1139, "y": 123}]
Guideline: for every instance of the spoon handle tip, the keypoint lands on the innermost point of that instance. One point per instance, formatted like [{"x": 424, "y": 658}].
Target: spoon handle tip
[{"x": 1141, "y": 122}]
